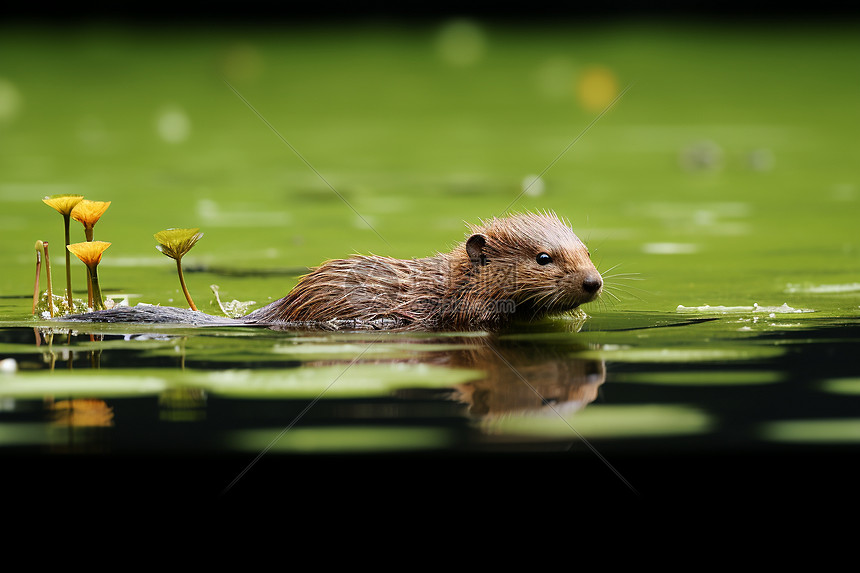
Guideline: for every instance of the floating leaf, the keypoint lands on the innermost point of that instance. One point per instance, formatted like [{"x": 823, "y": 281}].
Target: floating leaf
[
  {"x": 817, "y": 431},
  {"x": 340, "y": 439},
  {"x": 81, "y": 385},
  {"x": 604, "y": 421}
]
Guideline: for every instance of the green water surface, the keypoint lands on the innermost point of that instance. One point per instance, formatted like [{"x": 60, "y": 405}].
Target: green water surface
[{"x": 718, "y": 194}]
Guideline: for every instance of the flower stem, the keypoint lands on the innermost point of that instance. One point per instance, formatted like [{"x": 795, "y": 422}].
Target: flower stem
[
  {"x": 66, "y": 218},
  {"x": 48, "y": 277},
  {"x": 38, "y": 274},
  {"x": 182, "y": 282},
  {"x": 88, "y": 231},
  {"x": 97, "y": 302},
  {"x": 90, "y": 291}
]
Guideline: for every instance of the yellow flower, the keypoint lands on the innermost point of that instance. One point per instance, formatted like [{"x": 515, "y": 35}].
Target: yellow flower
[
  {"x": 90, "y": 252},
  {"x": 88, "y": 213},
  {"x": 63, "y": 203},
  {"x": 176, "y": 242}
]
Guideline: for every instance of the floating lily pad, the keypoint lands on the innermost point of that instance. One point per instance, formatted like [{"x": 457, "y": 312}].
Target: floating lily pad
[
  {"x": 340, "y": 380},
  {"x": 689, "y": 354},
  {"x": 306, "y": 352},
  {"x": 80, "y": 384},
  {"x": 842, "y": 386},
  {"x": 699, "y": 378},
  {"x": 602, "y": 421},
  {"x": 836, "y": 431},
  {"x": 338, "y": 440}
]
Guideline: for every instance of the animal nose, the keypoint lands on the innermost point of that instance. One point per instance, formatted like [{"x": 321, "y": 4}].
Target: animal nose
[{"x": 592, "y": 283}]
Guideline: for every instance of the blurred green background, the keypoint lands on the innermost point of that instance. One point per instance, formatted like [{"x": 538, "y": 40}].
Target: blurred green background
[{"x": 726, "y": 174}]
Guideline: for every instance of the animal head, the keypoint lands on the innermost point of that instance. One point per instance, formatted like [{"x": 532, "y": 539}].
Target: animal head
[{"x": 533, "y": 259}]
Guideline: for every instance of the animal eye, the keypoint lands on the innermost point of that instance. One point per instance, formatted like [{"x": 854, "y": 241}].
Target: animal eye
[{"x": 543, "y": 259}]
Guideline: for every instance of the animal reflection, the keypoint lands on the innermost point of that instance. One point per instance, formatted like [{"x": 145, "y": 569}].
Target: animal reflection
[{"x": 526, "y": 378}]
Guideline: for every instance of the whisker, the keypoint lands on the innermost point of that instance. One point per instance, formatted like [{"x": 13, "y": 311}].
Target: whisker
[
  {"x": 612, "y": 294},
  {"x": 625, "y": 293},
  {"x": 627, "y": 288},
  {"x": 630, "y": 276},
  {"x": 603, "y": 303},
  {"x": 622, "y": 279}
]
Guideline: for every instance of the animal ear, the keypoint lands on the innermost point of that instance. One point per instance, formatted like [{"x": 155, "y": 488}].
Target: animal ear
[{"x": 475, "y": 249}]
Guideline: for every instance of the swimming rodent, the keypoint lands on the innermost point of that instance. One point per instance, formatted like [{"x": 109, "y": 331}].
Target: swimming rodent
[{"x": 517, "y": 268}]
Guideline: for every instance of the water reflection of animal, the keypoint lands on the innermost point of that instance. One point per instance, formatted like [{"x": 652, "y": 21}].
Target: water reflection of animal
[
  {"x": 525, "y": 377},
  {"x": 516, "y": 268},
  {"x": 514, "y": 376}
]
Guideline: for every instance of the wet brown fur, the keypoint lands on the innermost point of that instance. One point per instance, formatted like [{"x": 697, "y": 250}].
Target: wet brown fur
[{"x": 490, "y": 280}]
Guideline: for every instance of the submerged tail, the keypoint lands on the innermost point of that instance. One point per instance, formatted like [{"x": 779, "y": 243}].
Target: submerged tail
[{"x": 152, "y": 314}]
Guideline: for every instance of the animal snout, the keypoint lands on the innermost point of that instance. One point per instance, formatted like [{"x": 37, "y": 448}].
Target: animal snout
[{"x": 592, "y": 283}]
